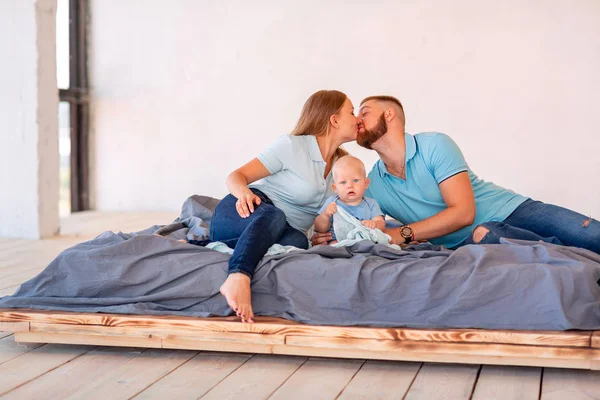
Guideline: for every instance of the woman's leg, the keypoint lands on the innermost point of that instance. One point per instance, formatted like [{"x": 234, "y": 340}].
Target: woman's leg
[
  {"x": 255, "y": 235},
  {"x": 570, "y": 227},
  {"x": 293, "y": 237},
  {"x": 226, "y": 224}
]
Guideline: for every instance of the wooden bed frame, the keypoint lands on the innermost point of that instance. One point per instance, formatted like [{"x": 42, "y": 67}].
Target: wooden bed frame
[{"x": 561, "y": 349}]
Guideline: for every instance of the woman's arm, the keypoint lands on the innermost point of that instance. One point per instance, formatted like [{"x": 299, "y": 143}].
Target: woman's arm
[
  {"x": 457, "y": 193},
  {"x": 238, "y": 181}
]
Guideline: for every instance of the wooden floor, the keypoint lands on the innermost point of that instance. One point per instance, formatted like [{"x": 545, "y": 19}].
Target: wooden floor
[{"x": 66, "y": 371}]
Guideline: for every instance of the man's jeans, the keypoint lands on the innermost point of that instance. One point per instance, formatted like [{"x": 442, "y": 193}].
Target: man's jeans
[
  {"x": 534, "y": 220},
  {"x": 251, "y": 237}
]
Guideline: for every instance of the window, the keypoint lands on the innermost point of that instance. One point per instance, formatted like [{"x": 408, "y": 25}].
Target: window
[{"x": 73, "y": 109}]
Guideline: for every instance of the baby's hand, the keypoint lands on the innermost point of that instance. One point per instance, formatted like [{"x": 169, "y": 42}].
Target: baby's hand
[
  {"x": 369, "y": 224},
  {"x": 331, "y": 209}
]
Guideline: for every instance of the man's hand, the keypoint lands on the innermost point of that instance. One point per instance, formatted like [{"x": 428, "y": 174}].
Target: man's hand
[
  {"x": 321, "y": 238},
  {"x": 369, "y": 224},
  {"x": 330, "y": 210}
]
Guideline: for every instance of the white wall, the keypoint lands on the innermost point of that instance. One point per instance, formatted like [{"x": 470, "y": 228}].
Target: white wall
[
  {"x": 28, "y": 119},
  {"x": 186, "y": 91}
]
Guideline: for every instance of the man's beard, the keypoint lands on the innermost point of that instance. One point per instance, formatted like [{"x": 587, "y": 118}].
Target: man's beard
[{"x": 370, "y": 136}]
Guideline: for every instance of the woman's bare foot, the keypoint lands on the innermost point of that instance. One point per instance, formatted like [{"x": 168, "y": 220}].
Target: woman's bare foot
[{"x": 236, "y": 290}]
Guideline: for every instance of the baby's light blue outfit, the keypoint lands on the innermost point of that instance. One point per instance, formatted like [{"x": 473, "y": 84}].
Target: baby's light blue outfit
[{"x": 366, "y": 210}]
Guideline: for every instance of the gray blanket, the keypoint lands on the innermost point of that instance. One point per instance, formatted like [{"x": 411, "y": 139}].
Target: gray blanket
[{"x": 515, "y": 285}]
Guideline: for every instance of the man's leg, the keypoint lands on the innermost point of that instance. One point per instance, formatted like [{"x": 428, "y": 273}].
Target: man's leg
[
  {"x": 570, "y": 227},
  {"x": 491, "y": 232}
]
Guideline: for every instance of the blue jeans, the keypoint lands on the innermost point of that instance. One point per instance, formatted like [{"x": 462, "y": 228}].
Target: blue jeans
[
  {"x": 534, "y": 220},
  {"x": 251, "y": 237}
]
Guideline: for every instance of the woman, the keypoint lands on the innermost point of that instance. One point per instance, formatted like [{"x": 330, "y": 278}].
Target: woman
[{"x": 276, "y": 196}]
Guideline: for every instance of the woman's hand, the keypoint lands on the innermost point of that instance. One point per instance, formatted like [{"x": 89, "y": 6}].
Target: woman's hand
[
  {"x": 245, "y": 203},
  {"x": 321, "y": 238},
  {"x": 238, "y": 181}
]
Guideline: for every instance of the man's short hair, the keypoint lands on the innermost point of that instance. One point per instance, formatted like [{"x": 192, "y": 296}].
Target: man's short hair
[{"x": 382, "y": 98}]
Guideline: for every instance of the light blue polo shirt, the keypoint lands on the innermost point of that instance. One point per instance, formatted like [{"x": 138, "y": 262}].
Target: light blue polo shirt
[
  {"x": 431, "y": 158},
  {"x": 296, "y": 184}
]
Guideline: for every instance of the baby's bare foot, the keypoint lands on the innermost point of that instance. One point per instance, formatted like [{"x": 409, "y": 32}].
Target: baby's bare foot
[{"x": 236, "y": 290}]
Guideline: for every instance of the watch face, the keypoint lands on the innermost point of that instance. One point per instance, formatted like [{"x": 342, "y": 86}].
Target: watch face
[{"x": 406, "y": 232}]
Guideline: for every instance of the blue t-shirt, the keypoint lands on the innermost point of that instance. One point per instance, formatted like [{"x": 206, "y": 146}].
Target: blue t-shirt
[
  {"x": 431, "y": 158},
  {"x": 296, "y": 185},
  {"x": 365, "y": 210}
]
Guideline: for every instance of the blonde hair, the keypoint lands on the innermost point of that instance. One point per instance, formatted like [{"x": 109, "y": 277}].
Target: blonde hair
[
  {"x": 314, "y": 118},
  {"x": 349, "y": 161}
]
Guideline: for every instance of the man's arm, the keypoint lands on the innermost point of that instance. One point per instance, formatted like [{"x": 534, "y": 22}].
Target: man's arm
[{"x": 457, "y": 193}]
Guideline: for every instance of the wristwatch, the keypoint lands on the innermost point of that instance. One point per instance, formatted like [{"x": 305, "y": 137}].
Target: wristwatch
[{"x": 407, "y": 233}]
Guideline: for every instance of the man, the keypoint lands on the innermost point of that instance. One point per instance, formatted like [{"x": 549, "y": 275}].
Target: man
[{"x": 424, "y": 181}]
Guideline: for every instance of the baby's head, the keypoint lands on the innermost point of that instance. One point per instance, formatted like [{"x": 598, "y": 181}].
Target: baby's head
[{"x": 349, "y": 179}]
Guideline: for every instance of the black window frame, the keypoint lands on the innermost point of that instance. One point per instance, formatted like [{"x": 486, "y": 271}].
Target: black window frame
[{"x": 77, "y": 95}]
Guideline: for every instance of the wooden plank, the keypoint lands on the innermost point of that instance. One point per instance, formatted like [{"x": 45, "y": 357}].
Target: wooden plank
[
  {"x": 96, "y": 340},
  {"x": 19, "y": 264},
  {"x": 92, "y": 223},
  {"x": 134, "y": 376},
  {"x": 278, "y": 326},
  {"x": 216, "y": 324},
  {"x": 34, "y": 253},
  {"x": 73, "y": 376},
  {"x": 10, "y": 349},
  {"x": 508, "y": 383},
  {"x": 14, "y": 326},
  {"x": 23, "y": 369},
  {"x": 381, "y": 380},
  {"x": 256, "y": 379},
  {"x": 596, "y": 339},
  {"x": 155, "y": 332},
  {"x": 196, "y": 377},
  {"x": 19, "y": 278},
  {"x": 440, "y": 382},
  {"x": 7, "y": 246},
  {"x": 163, "y": 334},
  {"x": 28, "y": 265},
  {"x": 442, "y": 352},
  {"x": 570, "y": 384},
  {"x": 191, "y": 343},
  {"x": 351, "y": 348},
  {"x": 5, "y": 334},
  {"x": 21, "y": 267},
  {"x": 318, "y": 379}
]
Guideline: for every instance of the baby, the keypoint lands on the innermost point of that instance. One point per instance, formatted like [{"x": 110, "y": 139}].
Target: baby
[{"x": 350, "y": 182}]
